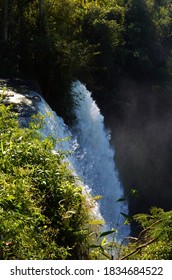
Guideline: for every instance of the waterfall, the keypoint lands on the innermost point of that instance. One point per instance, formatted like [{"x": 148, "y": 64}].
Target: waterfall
[
  {"x": 54, "y": 126},
  {"x": 95, "y": 157},
  {"x": 91, "y": 156}
]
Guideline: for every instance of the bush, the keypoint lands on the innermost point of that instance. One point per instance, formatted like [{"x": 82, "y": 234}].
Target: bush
[
  {"x": 155, "y": 240},
  {"x": 43, "y": 213}
]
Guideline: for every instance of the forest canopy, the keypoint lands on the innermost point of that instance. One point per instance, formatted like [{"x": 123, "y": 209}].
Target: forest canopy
[{"x": 99, "y": 42}]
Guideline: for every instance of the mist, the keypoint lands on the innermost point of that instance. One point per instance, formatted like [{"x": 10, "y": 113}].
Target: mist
[{"x": 142, "y": 137}]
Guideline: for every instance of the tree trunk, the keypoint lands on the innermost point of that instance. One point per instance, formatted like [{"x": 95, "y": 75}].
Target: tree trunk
[
  {"x": 41, "y": 16},
  {"x": 5, "y": 35}
]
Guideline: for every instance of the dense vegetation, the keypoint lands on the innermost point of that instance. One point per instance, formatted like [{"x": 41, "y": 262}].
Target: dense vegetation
[
  {"x": 154, "y": 242},
  {"x": 43, "y": 213},
  {"x": 103, "y": 43}
]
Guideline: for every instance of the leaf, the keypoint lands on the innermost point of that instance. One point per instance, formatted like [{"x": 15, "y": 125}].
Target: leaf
[
  {"x": 94, "y": 246},
  {"x": 134, "y": 192},
  {"x": 121, "y": 199},
  {"x": 96, "y": 222},
  {"x": 2, "y": 147},
  {"x": 97, "y": 197},
  {"x": 126, "y": 216},
  {"x": 69, "y": 214},
  {"x": 107, "y": 232}
]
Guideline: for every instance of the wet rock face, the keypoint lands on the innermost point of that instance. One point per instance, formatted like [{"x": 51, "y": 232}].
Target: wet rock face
[{"x": 23, "y": 97}]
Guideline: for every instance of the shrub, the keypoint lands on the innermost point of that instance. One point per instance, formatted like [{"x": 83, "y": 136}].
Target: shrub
[{"x": 42, "y": 209}]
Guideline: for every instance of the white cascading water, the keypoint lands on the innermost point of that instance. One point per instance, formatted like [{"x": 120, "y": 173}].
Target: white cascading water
[
  {"x": 91, "y": 158},
  {"x": 95, "y": 157},
  {"x": 54, "y": 126}
]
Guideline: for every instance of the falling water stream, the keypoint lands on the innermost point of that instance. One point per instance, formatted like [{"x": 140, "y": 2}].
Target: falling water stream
[{"x": 96, "y": 158}]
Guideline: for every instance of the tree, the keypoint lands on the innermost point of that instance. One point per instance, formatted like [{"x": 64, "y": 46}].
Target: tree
[
  {"x": 5, "y": 37},
  {"x": 41, "y": 16}
]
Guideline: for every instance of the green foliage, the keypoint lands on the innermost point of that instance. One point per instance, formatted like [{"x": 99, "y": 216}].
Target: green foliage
[
  {"x": 154, "y": 241},
  {"x": 43, "y": 214},
  {"x": 96, "y": 41}
]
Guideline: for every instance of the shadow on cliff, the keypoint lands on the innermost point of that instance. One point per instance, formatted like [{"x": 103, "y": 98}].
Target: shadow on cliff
[{"x": 142, "y": 137}]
